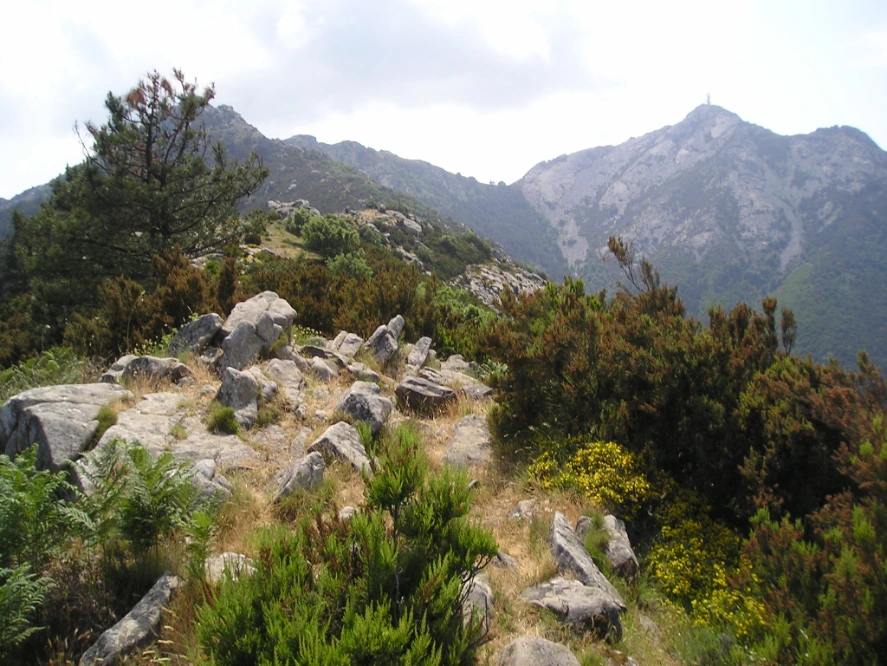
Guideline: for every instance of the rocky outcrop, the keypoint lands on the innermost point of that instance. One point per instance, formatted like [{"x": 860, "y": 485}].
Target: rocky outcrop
[
  {"x": 571, "y": 557},
  {"x": 195, "y": 336},
  {"x": 342, "y": 442},
  {"x": 585, "y": 608},
  {"x": 423, "y": 396},
  {"x": 151, "y": 368},
  {"x": 535, "y": 651},
  {"x": 240, "y": 392},
  {"x": 383, "y": 342},
  {"x": 488, "y": 281},
  {"x": 209, "y": 482},
  {"x": 136, "y": 628},
  {"x": 472, "y": 443},
  {"x": 304, "y": 474},
  {"x": 279, "y": 312},
  {"x": 60, "y": 420},
  {"x": 364, "y": 401}
]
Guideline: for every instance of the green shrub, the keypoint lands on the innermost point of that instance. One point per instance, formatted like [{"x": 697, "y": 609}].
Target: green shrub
[
  {"x": 330, "y": 236},
  {"x": 352, "y": 263},
  {"x": 59, "y": 365},
  {"x": 221, "y": 419},
  {"x": 21, "y": 595},
  {"x": 267, "y": 415},
  {"x": 382, "y": 588}
]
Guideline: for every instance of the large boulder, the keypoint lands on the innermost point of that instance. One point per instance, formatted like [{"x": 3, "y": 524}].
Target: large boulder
[
  {"x": 364, "y": 401},
  {"x": 136, "y": 628},
  {"x": 251, "y": 310},
  {"x": 585, "y": 608},
  {"x": 424, "y": 396},
  {"x": 304, "y": 474},
  {"x": 472, "y": 443},
  {"x": 346, "y": 344},
  {"x": 209, "y": 482},
  {"x": 535, "y": 651},
  {"x": 419, "y": 354},
  {"x": 570, "y": 556},
  {"x": 382, "y": 344},
  {"x": 195, "y": 336},
  {"x": 240, "y": 391},
  {"x": 289, "y": 379},
  {"x": 61, "y": 420},
  {"x": 618, "y": 550},
  {"x": 247, "y": 341},
  {"x": 341, "y": 441}
]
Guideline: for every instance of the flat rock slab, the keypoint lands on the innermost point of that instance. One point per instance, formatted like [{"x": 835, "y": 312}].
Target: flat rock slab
[
  {"x": 364, "y": 401},
  {"x": 149, "y": 422},
  {"x": 570, "y": 556},
  {"x": 228, "y": 451},
  {"x": 341, "y": 441},
  {"x": 136, "y": 628},
  {"x": 585, "y": 608},
  {"x": 472, "y": 443},
  {"x": 535, "y": 651},
  {"x": 422, "y": 395},
  {"x": 281, "y": 312},
  {"x": 60, "y": 420}
]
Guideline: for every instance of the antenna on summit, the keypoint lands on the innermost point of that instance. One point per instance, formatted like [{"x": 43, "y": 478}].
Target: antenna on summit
[{"x": 708, "y": 98}]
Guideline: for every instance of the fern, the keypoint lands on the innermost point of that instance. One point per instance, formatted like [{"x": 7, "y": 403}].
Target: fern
[{"x": 21, "y": 594}]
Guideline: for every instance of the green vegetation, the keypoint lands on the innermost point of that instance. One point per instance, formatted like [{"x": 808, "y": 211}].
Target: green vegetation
[{"x": 221, "y": 419}]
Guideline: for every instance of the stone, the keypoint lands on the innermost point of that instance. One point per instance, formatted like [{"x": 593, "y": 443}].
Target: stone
[
  {"x": 503, "y": 561},
  {"x": 382, "y": 344},
  {"x": 585, "y": 608},
  {"x": 289, "y": 380},
  {"x": 477, "y": 598},
  {"x": 314, "y": 351},
  {"x": 211, "y": 356},
  {"x": 524, "y": 510},
  {"x": 148, "y": 422},
  {"x": 341, "y": 441},
  {"x": 195, "y": 336},
  {"x": 361, "y": 372},
  {"x": 323, "y": 369},
  {"x": 422, "y": 395},
  {"x": 229, "y": 452},
  {"x": 280, "y": 312},
  {"x": 297, "y": 447},
  {"x": 346, "y": 344},
  {"x": 240, "y": 391},
  {"x": 571, "y": 557},
  {"x": 153, "y": 368},
  {"x": 395, "y": 327},
  {"x": 60, "y": 420},
  {"x": 476, "y": 392},
  {"x": 136, "y": 628},
  {"x": 210, "y": 484},
  {"x": 535, "y": 651},
  {"x": 472, "y": 443},
  {"x": 456, "y": 363},
  {"x": 451, "y": 378},
  {"x": 618, "y": 550},
  {"x": 347, "y": 513},
  {"x": 304, "y": 474},
  {"x": 228, "y": 564},
  {"x": 241, "y": 347},
  {"x": 419, "y": 354},
  {"x": 364, "y": 401},
  {"x": 267, "y": 388}
]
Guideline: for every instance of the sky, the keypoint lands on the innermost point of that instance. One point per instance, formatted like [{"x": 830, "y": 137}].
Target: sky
[{"x": 485, "y": 88}]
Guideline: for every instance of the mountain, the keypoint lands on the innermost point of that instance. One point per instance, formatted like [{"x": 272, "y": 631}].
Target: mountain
[
  {"x": 500, "y": 212},
  {"x": 27, "y": 203}
]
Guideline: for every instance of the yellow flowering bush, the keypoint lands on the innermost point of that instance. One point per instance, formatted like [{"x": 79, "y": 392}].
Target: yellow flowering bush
[{"x": 604, "y": 472}]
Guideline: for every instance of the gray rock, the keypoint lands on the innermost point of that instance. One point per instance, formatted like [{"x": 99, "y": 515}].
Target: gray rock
[
  {"x": 241, "y": 347},
  {"x": 361, "y": 372},
  {"x": 419, "y": 354},
  {"x": 148, "y": 422},
  {"x": 210, "y": 484},
  {"x": 229, "y": 452},
  {"x": 586, "y": 608},
  {"x": 280, "y": 312},
  {"x": 618, "y": 549},
  {"x": 455, "y": 363},
  {"x": 211, "y": 356},
  {"x": 136, "y": 628},
  {"x": 195, "y": 336},
  {"x": 570, "y": 556},
  {"x": 395, "y": 327},
  {"x": 535, "y": 651},
  {"x": 234, "y": 565},
  {"x": 267, "y": 388},
  {"x": 153, "y": 368},
  {"x": 240, "y": 391},
  {"x": 365, "y": 402},
  {"x": 451, "y": 378},
  {"x": 476, "y": 392},
  {"x": 478, "y": 601},
  {"x": 382, "y": 344},
  {"x": 424, "y": 396},
  {"x": 297, "y": 448},
  {"x": 347, "y": 513},
  {"x": 314, "y": 351},
  {"x": 60, "y": 420},
  {"x": 346, "y": 344},
  {"x": 304, "y": 474},
  {"x": 341, "y": 441},
  {"x": 503, "y": 561},
  {"x": 472, "y": 443},
  {"x": 323, "y": 369},
  {"x": 289, "y": 380},
  {"x": 524, "y": 510}
]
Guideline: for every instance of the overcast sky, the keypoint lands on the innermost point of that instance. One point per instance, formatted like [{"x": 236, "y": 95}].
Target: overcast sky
[{"x": 484, "y": 88}]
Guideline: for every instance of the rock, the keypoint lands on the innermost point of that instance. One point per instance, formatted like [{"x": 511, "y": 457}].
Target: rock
[
  {"x": 209, "y": 482},
  {"x": 346, "y": 344},
  {"x": 503, "y": 561},
  {"x": 524, "y": 510},
  {"x": 112, "y": 375},
  {"x": 419, "y": 353},
  {"x": 241, "y": 347},
  {"x": 472, "y": 443},
  {"x": 618, "y": 550},
  {"x": 323, "y": 369},
  {"x": 347, "y": 513},
  {"x": 289, "y": 380},
  {"x": 239, "y": 390},
  {"x": 148, "y": 422},
  {"x": 583, "y": 526},
  {"x": 476, "y": 392},
  {"x": 570, "y": 556},
  {"x": 297, "y": 448},
  {"x": 341, "y": 441},
  {"x": 229, "y": 452},
  {"x": 424, "y": 396},
  {"x": 151, "y": 368},
  {"x": 382, "y": 344},
  {"x": 230, "y": 564},
  {"x": 136, "y": 628},
  {"x": 211, "y": 356},
  {"x": 314, "y": 351},
  {"x": 365, "y": 402},
  {"x": 395, "y": 327},
  {"x": 267, "y": 388},
  {"x": 195, "y": 336},
  {"x": 251, "y": 310},
  {"x": 60, "y": 420},
  {"x": 451, "y": 378},
  {"x": 535, "y": 651},
  {"x": 487, "y": 282},
  {"x": 455, "y": 363},
  {"x": 363, "y": 373},
  {"x": 478, "y": 600},
  {"x": 304, "y": 474},
  {"x": 586, "y": 608}
]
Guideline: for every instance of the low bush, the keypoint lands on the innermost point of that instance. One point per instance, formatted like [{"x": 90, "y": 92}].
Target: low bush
[{"x": 221, "y": 419}]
